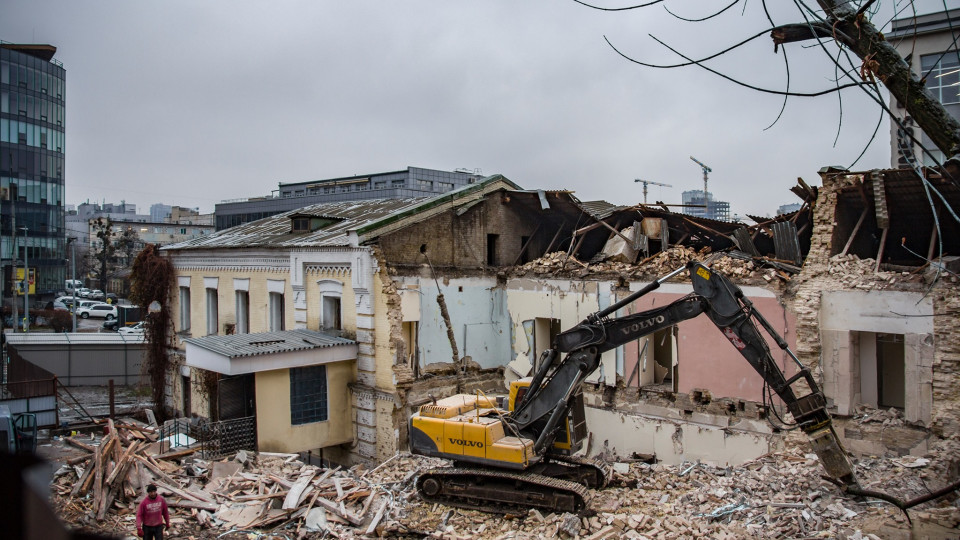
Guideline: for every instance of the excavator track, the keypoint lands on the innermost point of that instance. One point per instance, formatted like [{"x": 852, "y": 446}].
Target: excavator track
[
  {"x": 591, "y": 472},
  {"x": 500, "y": 492}
]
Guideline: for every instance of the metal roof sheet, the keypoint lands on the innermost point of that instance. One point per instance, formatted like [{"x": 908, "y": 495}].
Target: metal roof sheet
[
  {"x": 72, "y": 338},
  {"x": 241, "y": 345},
  {"x": 275, "y": 231}
]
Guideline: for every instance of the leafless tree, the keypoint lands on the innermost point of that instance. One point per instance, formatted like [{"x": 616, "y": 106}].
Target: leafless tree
[{"x": 852, "y": 42}]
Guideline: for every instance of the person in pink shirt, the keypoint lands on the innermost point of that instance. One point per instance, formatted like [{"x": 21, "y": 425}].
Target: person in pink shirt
[{"x": 152, "y": 515}]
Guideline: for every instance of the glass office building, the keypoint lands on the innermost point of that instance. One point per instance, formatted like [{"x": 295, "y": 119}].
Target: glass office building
[
  {"x": 410, "y": 182},
  {"x": 31, "y": 165}
]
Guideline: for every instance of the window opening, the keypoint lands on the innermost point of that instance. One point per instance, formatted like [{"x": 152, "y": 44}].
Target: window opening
[{"x": 308, "y": 395}]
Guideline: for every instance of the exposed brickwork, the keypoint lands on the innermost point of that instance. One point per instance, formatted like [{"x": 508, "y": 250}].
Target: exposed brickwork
[
  {"x": 461, "y": 241},
  {"x": 821, "y": 273}
]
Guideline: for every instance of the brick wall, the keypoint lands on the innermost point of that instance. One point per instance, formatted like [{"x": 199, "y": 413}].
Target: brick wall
[
  {"x": 461, "y": 241},
  {"x": 821, "y": 272}
]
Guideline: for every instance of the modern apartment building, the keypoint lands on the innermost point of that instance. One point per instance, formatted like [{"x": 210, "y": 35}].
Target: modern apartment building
[
  {"x": 711, "y": 209},
  {"x": 928, "y": 44},
  {"x": 410, "y": 182},
  {"x": 32, "y": 94}
]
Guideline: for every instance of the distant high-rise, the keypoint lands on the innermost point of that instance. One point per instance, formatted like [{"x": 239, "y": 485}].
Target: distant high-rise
[
  {"x": 160, "y": 212},
  {"x": 711, "y": 209},
  {"x": 788, "y": 208},
  {"x": 32, "y": 92}
]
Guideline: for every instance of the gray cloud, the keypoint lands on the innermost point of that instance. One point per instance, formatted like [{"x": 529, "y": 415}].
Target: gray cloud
[{"x": 191, "y": 103}]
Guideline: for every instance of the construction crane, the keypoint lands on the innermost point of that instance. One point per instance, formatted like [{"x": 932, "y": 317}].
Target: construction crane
[
  {"x": 706, "y": 171},
  {"x": 645, "y": 183}
]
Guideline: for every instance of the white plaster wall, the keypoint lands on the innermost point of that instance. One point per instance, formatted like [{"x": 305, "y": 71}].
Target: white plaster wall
[
  {"x": 675, "y": 441},
  {"x": 568, "y": 301},
  {"x": 478, "y": 315},
  {"x": 891, "y": 312}
]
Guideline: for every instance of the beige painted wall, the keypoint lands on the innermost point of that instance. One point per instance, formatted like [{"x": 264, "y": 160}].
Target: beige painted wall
[
  {"x": 570, "y": 302},
  {"x": 348, "y": 306},
  {"x": 226, "y": 300},
  {"x": 275, "y": 433}
]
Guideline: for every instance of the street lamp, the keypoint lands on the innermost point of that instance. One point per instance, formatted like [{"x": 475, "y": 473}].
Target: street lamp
[
  {"x": 72, "y": 241},
  {"x": 26, "y": 283}
]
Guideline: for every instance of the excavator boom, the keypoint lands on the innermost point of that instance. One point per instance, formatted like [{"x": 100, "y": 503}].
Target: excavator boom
[{"x": 536, "y": 438}]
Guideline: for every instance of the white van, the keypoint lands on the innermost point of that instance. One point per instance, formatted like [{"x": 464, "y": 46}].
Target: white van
[{"x": 72, "y": 284}]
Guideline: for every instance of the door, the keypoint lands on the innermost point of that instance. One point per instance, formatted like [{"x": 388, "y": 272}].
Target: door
[{"x": 236, "y": 397}]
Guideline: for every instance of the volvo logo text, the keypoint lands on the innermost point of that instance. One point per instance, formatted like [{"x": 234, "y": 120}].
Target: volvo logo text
[
  {"x": 640, "y": 325},
  {"x": 461, "y": 442}
]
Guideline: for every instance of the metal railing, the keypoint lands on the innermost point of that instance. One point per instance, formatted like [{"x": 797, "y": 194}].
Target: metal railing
[{"x": 216, "y": 439}]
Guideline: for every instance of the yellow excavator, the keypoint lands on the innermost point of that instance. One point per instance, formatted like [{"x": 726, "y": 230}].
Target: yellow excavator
[{"x": 517, "y": 455}]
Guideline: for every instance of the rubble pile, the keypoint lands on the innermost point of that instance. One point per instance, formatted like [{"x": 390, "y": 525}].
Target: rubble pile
[
  {"x": 278, "y": 496},
  {"x": 664, "y": 262}
]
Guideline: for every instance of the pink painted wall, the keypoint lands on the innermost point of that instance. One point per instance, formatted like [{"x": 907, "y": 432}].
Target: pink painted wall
[{"x": 707, "y": 360}]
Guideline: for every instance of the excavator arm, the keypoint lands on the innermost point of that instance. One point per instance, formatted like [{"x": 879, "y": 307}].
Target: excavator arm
[{"x": 555, "y": 383}]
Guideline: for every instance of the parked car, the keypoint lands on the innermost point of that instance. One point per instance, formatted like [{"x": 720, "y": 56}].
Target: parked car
[
  {"x": 57, "y": 305},
  {"x": 135, "y": 329},
  {"x": 101, "y": 311},
  {"x": 83, "y": 292},
  {"x": 96, "y": 294},
  {"x": 87, "y": 303},
  {"x": 65, "y": 300}
]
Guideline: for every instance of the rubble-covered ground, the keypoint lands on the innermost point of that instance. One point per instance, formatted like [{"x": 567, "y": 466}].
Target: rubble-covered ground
[{"x": 252, "y": 496}]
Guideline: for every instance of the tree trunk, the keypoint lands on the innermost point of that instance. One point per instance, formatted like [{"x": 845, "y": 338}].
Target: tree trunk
[{"x": 864, "y": 40}]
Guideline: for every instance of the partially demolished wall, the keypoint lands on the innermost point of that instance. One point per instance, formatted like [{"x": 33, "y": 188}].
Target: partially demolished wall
[{"x": 935, "y": 393}]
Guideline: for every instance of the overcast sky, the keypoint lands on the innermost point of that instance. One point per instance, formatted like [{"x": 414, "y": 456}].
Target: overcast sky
[{"x": 192, "y": 103}]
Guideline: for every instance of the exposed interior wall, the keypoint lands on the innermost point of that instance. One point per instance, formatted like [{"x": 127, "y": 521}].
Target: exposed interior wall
[
  {"x": 478, "y": 315},
  {"x": 866, "y": 357},
  {"x": 275, "y": 433},
  {"x": 674, "y": 441},
  {"x": 932, "y": 354},
  {"x": 705, "y": 359},
  {"x": 567, "y": 301}
]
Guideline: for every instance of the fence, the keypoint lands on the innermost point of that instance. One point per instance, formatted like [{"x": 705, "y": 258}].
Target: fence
[
  {"x": 81, "y": 359},
  {"x": 216, "y": 439},
  {"x": 32, "y": 389}
]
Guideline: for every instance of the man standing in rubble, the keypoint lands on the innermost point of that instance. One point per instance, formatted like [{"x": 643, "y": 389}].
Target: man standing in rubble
[{"x": 152, "y": 515}]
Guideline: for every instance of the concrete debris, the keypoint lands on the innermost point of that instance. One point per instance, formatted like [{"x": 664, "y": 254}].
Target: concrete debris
[
  {"x": 278, "y": 496},
  {"x": 559, "y": 264}
]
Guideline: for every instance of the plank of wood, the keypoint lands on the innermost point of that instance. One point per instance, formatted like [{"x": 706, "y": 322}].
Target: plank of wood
[
  {"x": 177, "y": 454},
  {"x": 78, "y": 488},
  {"x": 199, "y": 505},
  {"x": 241, "y": 498},
  {"x": 334, "y": 508},
  {"x": 81, "y": 445},
  {"x": 154, "y": 469},
  {"x": 98, "y": 476},
  {"x": 296, "y": 490},
  {"x": 376, "y": 519},
  {"x": 119, "y": 470},
  {"x": 180, "y": 493},
  {"x": 281, "y": 481},
  {"x": 105, "y": 503},
  {"x": 79, "y": 459}
]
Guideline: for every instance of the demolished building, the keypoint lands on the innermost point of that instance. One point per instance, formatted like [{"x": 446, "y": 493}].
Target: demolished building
[{"x": 464, "y": 290}]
